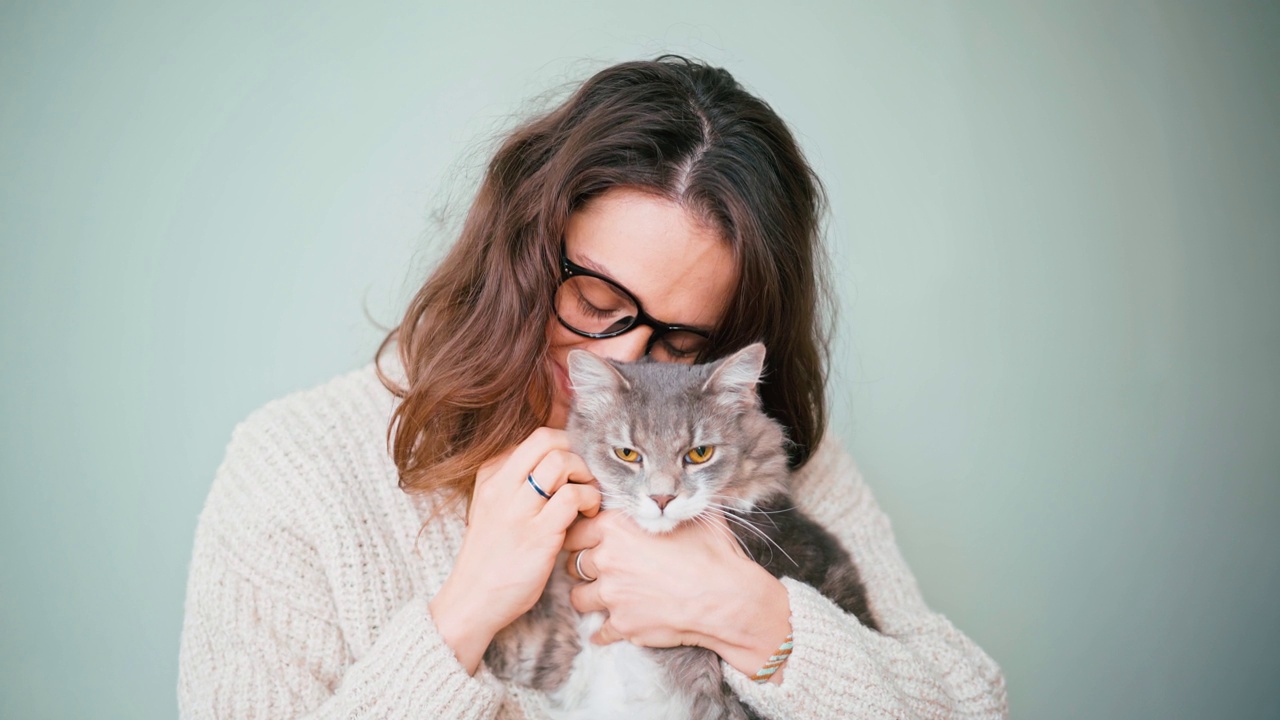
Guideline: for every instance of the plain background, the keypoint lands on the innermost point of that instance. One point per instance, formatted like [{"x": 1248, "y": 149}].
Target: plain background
[{"x": 1056, "y": 237}]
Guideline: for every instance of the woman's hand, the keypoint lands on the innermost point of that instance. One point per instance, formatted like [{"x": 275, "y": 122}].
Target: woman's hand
[
  {"x": 512, "y": 539},
  {"x": 692, "y": 586}
]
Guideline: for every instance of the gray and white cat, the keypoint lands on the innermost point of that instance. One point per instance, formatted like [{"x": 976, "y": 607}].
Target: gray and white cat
[{"x": 667, "y": 443}]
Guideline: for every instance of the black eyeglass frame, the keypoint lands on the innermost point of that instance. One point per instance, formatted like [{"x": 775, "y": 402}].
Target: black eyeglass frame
[{"x": 569, "y": 269}]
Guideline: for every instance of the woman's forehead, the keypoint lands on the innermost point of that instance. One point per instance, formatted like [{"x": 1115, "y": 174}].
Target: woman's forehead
[{"x": 679, "y": 269}]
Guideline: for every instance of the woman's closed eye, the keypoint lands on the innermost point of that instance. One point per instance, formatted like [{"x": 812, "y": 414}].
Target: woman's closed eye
[
  {"x": 680, "y": 351},
  {"x": 591, "y": 310}
]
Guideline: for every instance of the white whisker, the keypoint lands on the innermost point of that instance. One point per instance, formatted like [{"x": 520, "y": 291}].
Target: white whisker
[
  {"x": 768, "y": 540},
  {"x": 740, "y": 513},
  {"x": 757, "y": 510},
  {"x": 703, "y": 519}
]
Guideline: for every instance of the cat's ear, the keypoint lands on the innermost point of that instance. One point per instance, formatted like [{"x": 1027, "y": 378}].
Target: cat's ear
[
  {"x": 737, "y": 375},
  {"x": 590, "y": 375}
]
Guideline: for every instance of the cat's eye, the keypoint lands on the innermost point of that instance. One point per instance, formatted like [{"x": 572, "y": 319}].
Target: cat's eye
[
  {"x": 700, "y": 454},
  {"x": 627, "y": 454}
]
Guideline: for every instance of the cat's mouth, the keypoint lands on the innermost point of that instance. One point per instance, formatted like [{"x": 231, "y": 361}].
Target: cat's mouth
[
  {"x": 659, "y": 521},
  {"x": 660, "y": 525}
]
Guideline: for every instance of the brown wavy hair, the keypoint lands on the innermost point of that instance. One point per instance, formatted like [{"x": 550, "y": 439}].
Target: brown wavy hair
[{"x": 473, "y": 341}]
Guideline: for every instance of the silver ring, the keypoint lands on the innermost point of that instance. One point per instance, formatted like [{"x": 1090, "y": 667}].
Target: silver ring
[
  {"x": 537, "y": 487},
  {"x": 577, "y": 565}
]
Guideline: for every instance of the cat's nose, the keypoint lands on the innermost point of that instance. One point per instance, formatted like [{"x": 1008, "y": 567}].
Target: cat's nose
[{"x": 662, "y": 500}]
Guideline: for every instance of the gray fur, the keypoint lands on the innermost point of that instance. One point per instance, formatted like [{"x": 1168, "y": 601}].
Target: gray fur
[{"x": 662, "y": 411}]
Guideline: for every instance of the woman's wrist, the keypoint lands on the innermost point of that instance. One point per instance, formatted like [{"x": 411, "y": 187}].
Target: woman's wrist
[
  {"x": 748, "y": 629},
  {"x": 465, "y": 631}
]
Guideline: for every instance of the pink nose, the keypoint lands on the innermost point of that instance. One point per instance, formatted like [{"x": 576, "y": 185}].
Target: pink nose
[{"x": 662, "y": 500}]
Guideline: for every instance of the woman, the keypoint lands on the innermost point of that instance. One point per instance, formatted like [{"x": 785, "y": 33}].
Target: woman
[{"x": 364, "y": 540}]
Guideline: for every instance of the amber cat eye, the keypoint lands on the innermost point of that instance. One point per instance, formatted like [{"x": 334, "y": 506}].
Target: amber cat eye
[
  {"x": 627, "y": 454},
  {"x": 700, "y": 454}
]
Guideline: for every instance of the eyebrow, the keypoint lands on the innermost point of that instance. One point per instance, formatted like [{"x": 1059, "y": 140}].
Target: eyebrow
[{"x": 587, "y": 262}]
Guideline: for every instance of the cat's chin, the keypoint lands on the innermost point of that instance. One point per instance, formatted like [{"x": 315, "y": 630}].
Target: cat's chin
[{"x": 660, "y": 525}]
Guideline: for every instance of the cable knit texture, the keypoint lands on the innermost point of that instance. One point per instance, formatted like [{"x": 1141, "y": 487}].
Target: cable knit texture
[{"x": 309, "y": 583}]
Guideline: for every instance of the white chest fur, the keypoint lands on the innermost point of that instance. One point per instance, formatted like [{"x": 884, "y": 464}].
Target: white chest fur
[{"x": 619, "y": 680}]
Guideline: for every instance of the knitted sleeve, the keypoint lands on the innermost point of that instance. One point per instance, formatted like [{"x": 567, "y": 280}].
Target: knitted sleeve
[
  {"x": 921, "y": 667},
  {"x": 260, "y": 635}
]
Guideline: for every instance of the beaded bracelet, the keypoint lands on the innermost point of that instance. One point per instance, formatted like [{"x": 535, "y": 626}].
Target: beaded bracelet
[{"x": 775, "y": 662}]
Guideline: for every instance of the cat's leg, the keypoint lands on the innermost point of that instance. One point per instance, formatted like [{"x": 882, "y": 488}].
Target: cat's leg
[
  {"x": 537, "y": 649},
  {"x": 560, "y": 639},
  {"x": 751, "y": 714},
  {"x": 843, "y": 584},
  {"x": 695, "y": 672},
  {"x": 507, "y": 653}
]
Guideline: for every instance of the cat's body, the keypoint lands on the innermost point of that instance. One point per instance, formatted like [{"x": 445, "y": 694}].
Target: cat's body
[{"x": 666, "y": 443}]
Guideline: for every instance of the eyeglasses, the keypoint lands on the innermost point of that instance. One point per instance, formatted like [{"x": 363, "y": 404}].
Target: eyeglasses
[{"x": 594, "y": 306}]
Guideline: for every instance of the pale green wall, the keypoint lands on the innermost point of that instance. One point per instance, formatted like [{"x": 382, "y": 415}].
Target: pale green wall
[{"x": 1057, "y": 230}]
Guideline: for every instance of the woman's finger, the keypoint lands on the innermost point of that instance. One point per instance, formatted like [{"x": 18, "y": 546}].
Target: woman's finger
[
  {"x": 605, "y": 635},
  {"x": 581, "y": 559},
  {"x": 534, "y": 470},
  {"x": 553, "y": 472},
  {"x": 585, "y": 533},
  {"x": 557, "y": 468},
  {"x": 529, "y": 454},
  {"x": 571, "y": 499},
  {"x": 585, "y": 598}
]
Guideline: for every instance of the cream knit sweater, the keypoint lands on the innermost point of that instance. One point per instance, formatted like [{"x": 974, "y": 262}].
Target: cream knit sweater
[{"x": 309, "y": 584}]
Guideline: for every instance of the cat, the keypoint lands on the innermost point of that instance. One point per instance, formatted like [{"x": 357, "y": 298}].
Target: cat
[{"x": 695, "y": 439}]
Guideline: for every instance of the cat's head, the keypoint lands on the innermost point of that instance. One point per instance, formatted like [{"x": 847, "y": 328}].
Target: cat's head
[{"x": 668, "y": 442}]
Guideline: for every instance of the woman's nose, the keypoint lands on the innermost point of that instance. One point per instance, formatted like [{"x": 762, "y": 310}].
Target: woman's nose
[{"x": 627, "y": 347}]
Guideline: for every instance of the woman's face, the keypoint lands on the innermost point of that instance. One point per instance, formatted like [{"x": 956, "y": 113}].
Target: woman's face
[{"x": 681, "y": 272}]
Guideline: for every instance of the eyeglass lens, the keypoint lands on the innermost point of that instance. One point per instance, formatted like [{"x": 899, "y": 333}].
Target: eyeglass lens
[{"x": 594, "y": 306}]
